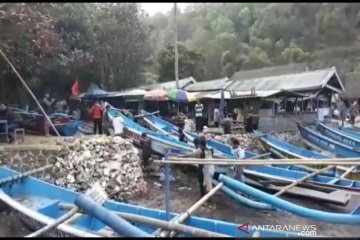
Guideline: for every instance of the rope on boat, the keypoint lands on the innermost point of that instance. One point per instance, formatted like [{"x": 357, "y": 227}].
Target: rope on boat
[
  {"x": 191, "y": 210},
  {"x": 25, "y": 174},
  {"x": 159, "y": 223},
  {"x": 301, "y": 180}
]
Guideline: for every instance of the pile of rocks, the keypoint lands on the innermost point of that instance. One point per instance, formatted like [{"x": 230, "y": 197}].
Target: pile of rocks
[
  {"x": 247, "y": 141},
  {"x": 292, "y": 137},
  {"x": 112, "y": 161}
]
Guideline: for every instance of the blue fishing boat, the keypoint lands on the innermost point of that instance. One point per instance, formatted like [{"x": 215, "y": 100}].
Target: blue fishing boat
[
  {"x": 160, "y": 143},
  {"x": 291, "y": 151},
  {"x": 67, "y": 129},
  {"x": 288, "y": 174},
  {"x": 165, "y": 127},
  {"x": 340, "y": 218},
  {"x": 346, "y": 138},
  {"x": 38, "y": 203},
  {"x": 86, "y": 128},
  {"x": 316, "y": 140}
]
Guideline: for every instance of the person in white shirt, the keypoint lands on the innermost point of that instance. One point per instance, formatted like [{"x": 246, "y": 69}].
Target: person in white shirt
[
  {"x": 199, "y": 116},
  {"x": 189, "y": 125},
  {"x": 118, "y": 125},
  {"x": 239, "y": 153},
  {"x": 216, "y": 116}
]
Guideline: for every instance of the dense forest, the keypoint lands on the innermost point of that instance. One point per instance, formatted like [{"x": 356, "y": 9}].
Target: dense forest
[{"x": 118, "y": 46}]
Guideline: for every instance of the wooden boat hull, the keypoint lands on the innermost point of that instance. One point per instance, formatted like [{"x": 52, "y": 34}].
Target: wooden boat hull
[
  {"x": 343, "y": 137},
  {"x": 326, "y": 143},
  {"x": 160, "y": 143},
  {"x": 37, "y": 203}
]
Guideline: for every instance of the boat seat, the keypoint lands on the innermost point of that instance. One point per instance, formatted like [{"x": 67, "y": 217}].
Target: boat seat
[{"x": 19, "y": 133}]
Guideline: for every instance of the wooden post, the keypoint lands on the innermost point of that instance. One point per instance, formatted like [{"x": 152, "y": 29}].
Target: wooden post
[
  {"x": 301, "y": 180},
  {"x": 167, "y": 187},
  {"x": 176, "y": 49}
]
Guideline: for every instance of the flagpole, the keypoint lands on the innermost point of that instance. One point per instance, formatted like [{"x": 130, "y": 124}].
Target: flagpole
[{"x": 176, "y": 49}]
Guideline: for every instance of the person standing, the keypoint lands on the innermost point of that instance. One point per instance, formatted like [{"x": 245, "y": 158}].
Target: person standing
[
  {"x": 189, "y": 125},
  {"x": 204, "y": 173},
  {"x": 199, "y": 116},
  {"x": 96, "y": 112},
  {"x": 248, "y": 117},
  {"x": 216, "y": 116},
  {"x": 13, "y": 120},
  {"x": 239, "y": 153}
]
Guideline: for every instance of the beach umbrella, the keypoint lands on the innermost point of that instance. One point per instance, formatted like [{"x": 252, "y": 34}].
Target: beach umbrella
[
  {"x": 155, "y": 95},
  {"x": 179, "y": 95}
]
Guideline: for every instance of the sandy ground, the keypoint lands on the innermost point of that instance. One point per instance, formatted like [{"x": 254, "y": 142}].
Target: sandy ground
[{"x": 184, "y": 193}]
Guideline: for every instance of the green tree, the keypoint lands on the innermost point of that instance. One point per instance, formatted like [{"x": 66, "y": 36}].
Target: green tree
[{"x": 191, "y": 63}]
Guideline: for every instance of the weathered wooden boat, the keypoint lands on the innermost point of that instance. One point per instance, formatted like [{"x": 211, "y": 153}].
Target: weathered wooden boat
[
  {"x": 346, "y": 138},
  {"x": 340, "y": 218},
  {"x": 39, "y": 203},
  {"x": 316, "y": 140},
  {"x": 165, "y": 127},
  {"x": 291, "y": 151}
]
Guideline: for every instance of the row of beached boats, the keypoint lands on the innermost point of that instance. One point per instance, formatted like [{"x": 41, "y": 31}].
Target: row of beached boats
[{"x": 39, "y": 203}]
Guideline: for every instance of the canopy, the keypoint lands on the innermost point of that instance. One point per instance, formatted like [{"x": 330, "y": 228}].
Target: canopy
[
  {"x": 155, "y": 95},
  {"x": 180, "y": 95}
]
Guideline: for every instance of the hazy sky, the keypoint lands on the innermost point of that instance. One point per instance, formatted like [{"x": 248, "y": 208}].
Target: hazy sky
[{"x": 152, "y": 8}]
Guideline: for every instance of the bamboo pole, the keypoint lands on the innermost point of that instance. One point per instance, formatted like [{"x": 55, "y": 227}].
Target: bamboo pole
[
  {"x": 301, "y": 180},
  {"x": 192, "y": 209},
  {"x": 25, "y": 174},
  {"x": 286, "y": 159},
  {"x": 246, "y": 162},
  {"x": 348, "y": 171},
  {"x": 55, "y": 223},
  {"x": 159, "y": 223}
]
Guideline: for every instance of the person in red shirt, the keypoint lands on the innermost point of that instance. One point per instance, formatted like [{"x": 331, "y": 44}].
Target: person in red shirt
[{"x": 96, "y": 112}]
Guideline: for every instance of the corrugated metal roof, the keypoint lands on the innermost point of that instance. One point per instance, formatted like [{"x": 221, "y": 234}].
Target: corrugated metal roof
[
  {"x": 291, "y": 82},
  {"x": 211, "y": 85},
  {"x": 169, "y": 85},
  {"x": 270, "y": 71}
]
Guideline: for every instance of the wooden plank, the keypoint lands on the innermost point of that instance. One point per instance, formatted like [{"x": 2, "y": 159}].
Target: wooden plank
[
  {"x": 296, "y": 182},
  {"x": 337, "y": 197}
]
